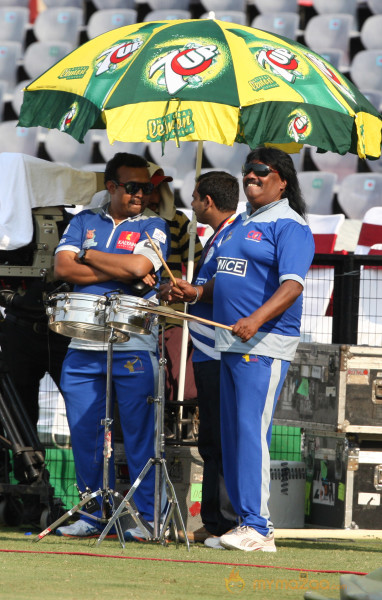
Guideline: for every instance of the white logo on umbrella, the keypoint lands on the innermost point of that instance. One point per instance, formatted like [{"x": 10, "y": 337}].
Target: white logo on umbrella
[
  {"x": 113, "y": 56},
  {"x": 178, "y": 64},
  {"x": 281, "y": 61}
]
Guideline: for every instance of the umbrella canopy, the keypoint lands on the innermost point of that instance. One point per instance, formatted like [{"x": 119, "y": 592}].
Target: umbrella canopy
[{"x": 203, "y": 79}]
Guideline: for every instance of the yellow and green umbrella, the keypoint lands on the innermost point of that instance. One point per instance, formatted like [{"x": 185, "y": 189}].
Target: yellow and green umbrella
[{"x": 195, "y": 80}]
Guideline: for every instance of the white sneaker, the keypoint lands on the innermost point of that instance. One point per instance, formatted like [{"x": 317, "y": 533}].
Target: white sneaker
[
  {"x": 248, "y": 539},
  {"x": 135, "y": 534},
  {"x": 213, "y": 542},
  {"x": 80, "y": 528}
]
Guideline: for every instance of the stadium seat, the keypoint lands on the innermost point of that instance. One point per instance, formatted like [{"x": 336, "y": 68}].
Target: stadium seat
[
  {"x": 375, "y": 165},
  {"x": 371, "y": 230},
  {"x": 283, "y": 23},
  {"x": 188, "y": 186},
  {"x": 13, "y": 23},
  {"x": 10, "y": 56},
  {"x": 335, "y": 58},
  {"x": 326, "y": 7},
  {"x": 64, "y": 3},
  {"x": 318, "y": 191},
  {"x": 226, "y": 158},
  {"x": 109, "y": 18},
  {"x": 3, "y": 88},
  {"x": 374, "y": 97},
  {"x": 108, "y": 150},
  {"x": 224, "y": 5},
  {"x": 232, "y": 16},
  {"x": 59, "y": 25},
  {"x": 342, "y": 165},
  {"x": 23, "y": 140},
  {"x": 168, "y": 14},
  {"x": 331, "y": 31},
  {"x": 371, "y": 33},
  {"x": 316, "y": 326},
  {"x": 375, "y": 6},
  {"x": 366, "y": 69},
  {"x": 40, "y": 56},
  {"x": 183, "y": 159},
  {"x": 359, "y": 192},
  {"x": 18, "y": 95},
  {"x": 166, "y": 4},
  {"x": 64, "y": 149},
  {"x": 266, "y": 6}
]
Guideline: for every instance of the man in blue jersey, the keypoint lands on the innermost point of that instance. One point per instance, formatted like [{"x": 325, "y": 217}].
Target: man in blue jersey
[
  {"x": 261, "y": 267},
  {"x": 215, "y": 200},
  {"x": 104, "y": 250}
]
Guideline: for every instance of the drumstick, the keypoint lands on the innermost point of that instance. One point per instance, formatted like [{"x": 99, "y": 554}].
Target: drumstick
[
  {"x": 162, "y": 260},
  {"x": 166, "y": 310}
]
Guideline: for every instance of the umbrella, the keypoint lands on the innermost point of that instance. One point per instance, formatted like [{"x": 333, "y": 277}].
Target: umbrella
[{"x": 203, "y": 79}]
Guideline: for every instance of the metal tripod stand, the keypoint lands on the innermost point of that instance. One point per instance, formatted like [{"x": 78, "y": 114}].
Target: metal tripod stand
[
  {"x": 109, "y": 497},
  {"x": 171, "y": 514}
]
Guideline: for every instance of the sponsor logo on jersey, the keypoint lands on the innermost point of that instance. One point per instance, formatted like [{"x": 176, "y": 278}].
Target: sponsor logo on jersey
[
  {"x": 250, "y": 358},
  {"x": 89, "y": 239},
  {"x": 128, "y": 240},
  {"x": 159, "y": 235},
  {"x": 254, "y": 236},
  {"x": 232, "y": 266}
]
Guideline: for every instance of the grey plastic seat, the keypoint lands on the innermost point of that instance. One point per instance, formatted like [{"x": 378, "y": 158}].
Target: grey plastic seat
[
  {"x": 359, "y": 192},
  {"x": 188, "y": 186},
  {"x": 103, "y": 4},
  {"x": 371, "y": 33},
  {"x": 226, "y": 158},
  {"x": 40, "y": 56},
  {"x": 13, "y": 23},
  {"x": 108, "y": 150},
  {"x": 183, "y": 159},
  {"x": 167, "y": 14},
  {"x": 59, "y": 25},
  {"x": 231, "y": 16},
  {"x": 8, "y": 3},
  {"x": 366, "y": 69},
  {"x": 282, "y": 23},
  {"x": 64, "y": 3},
  {"x": 224, "y": 5},
  {"x": 23, "y": 140},
  {"x": 375, "y": 6},
  {"x": 266, "y": 6},
  {"x": 374, "y": 97},
  {"x": 375, "y": 165},
  {"x": 63, "y": 148},
  {"x": 166, "y": 4},
  {"x": 326, "y": 7},
  {"x": 18, "y": 95},
  {"x": 342, "y": 165},
  {"x": 3, "y": 89},
  {"x": 318, "y": 191},
  {"x": 335, "y": 58},
  {"x": 108, "y": 19},
  {"x": 10, "y": 56},
  {"x": 331, "y": 31}
]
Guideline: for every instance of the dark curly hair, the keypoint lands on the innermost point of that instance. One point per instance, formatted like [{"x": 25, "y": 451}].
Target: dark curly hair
[
  {"x": 283, "y": 164},
  {"x": 122, "y": 159}
]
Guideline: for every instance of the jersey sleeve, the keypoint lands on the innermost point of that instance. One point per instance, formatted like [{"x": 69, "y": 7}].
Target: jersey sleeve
[
  {"x": 295, "y": 250},
  {"x": 72, "y": 237},
  {"x": 160, "y": 235}
]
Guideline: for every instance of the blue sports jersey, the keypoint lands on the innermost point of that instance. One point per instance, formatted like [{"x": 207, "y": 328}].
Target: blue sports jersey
[
  {"x": 95, "y": 229},
  {"x": 264, "y": 249},
  {"x": 202, "y": 335}
]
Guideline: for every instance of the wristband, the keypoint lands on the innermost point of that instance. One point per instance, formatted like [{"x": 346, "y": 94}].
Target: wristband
[{"x": 196, "y": 297}]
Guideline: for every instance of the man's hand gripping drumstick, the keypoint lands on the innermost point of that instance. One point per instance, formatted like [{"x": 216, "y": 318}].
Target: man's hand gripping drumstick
[{"x": 165, "y": 265}]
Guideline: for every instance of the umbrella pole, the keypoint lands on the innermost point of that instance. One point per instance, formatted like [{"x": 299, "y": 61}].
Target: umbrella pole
[{"x": 189, "y": 276}]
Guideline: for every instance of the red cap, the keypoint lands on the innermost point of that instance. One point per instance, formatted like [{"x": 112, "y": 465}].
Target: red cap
[{"x": 157, "y": 179}]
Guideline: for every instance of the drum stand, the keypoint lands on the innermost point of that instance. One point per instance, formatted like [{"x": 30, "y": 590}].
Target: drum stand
[
  {"x": 171, "y": 514},
  {"x": 109, "y": 497}
]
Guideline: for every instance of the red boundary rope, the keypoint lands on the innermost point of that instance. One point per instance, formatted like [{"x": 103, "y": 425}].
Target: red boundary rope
[{"x": 178, "y": 560}]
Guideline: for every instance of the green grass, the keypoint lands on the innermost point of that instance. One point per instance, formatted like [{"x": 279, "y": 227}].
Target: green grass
[{"x": 37, "y": 574}]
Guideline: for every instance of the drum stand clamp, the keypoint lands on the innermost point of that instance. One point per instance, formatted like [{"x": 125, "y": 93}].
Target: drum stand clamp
[{"x": 171, "y": 514}]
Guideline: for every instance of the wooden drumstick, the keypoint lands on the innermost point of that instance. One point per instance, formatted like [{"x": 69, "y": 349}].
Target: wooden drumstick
[{"x": 165, "y": 265}]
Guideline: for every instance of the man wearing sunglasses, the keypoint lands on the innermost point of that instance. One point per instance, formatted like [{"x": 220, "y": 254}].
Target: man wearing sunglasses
[
  {"x": 103, "y": 251},
  {"x": 261, "y": 267}
]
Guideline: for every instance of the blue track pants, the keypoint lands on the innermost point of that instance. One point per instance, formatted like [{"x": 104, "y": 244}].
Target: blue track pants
[{"x": 250, "y": 386}]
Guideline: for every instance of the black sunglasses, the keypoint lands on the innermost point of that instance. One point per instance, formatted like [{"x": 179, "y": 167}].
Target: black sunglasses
[
  {"x": 132, "y": 187},
  {"x": 258, "y": 169}
]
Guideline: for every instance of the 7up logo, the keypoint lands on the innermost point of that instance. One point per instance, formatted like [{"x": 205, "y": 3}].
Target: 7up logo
[
  {"x": 178, "y": 65},
  {"x": 280, "y": 61},
  {"x": 111, "y": 58}
]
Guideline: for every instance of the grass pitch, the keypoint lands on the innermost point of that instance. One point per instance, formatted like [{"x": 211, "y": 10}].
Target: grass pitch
[{"x": 57, "y": 568}]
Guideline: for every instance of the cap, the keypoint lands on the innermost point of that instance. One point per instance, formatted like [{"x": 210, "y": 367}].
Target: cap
[{"x": 157, "y": 179}]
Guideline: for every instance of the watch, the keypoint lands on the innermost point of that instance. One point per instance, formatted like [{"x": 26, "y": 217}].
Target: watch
[{"x": 82, "y": 255}]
